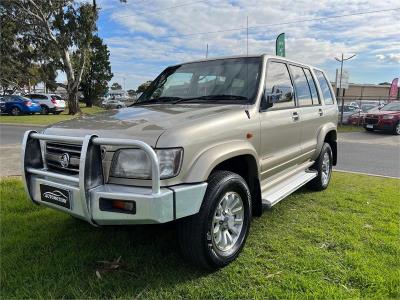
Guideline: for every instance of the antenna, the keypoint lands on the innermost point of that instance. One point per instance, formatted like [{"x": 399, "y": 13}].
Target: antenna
[{"x": 247, "y": 36}]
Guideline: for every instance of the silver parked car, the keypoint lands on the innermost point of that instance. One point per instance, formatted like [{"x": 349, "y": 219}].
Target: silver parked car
[
  {"x": 112, "y": 104},
  {"x": 207, "y": 145}
]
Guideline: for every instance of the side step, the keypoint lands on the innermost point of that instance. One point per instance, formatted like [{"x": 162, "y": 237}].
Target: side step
[{"x": 278, "y": 192}]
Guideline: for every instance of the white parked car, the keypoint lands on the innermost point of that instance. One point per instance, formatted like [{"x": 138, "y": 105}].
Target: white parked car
[{"x": 50, "y": 103}]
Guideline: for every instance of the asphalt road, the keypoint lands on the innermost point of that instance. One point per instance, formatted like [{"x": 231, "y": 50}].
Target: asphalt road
[
  {"x": 10, "y": 148},
  {"x": 375, "y": 153}
]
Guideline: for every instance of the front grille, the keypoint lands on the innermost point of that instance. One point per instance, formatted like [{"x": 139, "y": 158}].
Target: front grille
[
  {"x": 372, "y": 121},
  {"x": 63, "y": 158}
]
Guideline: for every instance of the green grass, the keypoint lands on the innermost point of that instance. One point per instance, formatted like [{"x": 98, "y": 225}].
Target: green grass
[
  {"x": 350, "y": 128},
  {"x": 38, "y": 119},
  {"x": 339, "y": 243}
]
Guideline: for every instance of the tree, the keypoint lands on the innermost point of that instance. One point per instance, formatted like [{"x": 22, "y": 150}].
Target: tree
[
  {"x": 131, "y": 93},
  {"x": 116, "y": 86},
  {"x": 63, "y": 30},
  {"x": 143, "y": 86},
  {"x": 98, "y": 72},
  {"x": 20, "y": 64}
]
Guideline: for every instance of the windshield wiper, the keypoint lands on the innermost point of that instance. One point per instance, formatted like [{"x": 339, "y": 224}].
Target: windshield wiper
[
  {"x": 213, "y": 97},
  {"x": 158, "y": 100}
]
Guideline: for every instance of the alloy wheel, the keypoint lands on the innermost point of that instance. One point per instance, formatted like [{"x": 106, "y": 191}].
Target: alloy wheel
[
  {"x": 227, "y": 222},
  {"x": 326, "y": 168}
]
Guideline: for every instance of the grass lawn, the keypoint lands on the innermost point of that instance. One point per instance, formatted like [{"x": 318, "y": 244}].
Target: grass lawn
[
  {"x": 339, "y": 243},
  {"x": 38, "y": 119}
]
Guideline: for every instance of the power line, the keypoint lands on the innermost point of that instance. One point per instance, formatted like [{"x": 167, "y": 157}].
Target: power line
[
  {"x": 282, "y": 23},
  {"x": 163, "y": 9}
]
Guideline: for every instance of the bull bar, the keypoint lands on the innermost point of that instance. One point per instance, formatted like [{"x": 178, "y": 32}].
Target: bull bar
[{"x": 154, "y": 205}]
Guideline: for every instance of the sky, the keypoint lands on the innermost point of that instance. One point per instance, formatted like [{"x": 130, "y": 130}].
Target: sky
[{"x": 146, "y": 36}]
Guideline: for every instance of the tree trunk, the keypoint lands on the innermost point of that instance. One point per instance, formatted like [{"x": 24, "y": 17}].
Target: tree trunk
[{"x": 73, "y": 103}]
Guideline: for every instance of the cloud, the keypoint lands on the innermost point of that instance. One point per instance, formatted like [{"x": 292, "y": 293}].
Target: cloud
[
  {"x": 149, "y": 35},
  {"x": 389, "y": 58}
]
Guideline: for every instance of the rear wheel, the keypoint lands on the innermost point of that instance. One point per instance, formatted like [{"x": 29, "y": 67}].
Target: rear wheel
[
  {"x": 44, "y": 110},
  {"x": 323, "y": 166},
  {"x": 215, "y": 236},
  {"x": 15, "y": 111}
]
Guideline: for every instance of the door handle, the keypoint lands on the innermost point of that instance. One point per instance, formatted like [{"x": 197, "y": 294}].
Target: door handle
[
  {"x": 295, "y": 116},
  {"x": 320, "y": 111}
]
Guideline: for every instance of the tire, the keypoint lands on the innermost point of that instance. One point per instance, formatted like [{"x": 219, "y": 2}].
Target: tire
[
  {"x": 44, "y": 110},
  {"x": 57, "y": 112},
  {"x": 323, "y": 165},
  {"x": 396, "y": 129},
  {"x": 213, "y": 251},
  {"x": 15, "y": 111},
  {"x": 119, "y": 106}
]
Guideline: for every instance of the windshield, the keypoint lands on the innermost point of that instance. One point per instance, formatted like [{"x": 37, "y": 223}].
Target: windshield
[
  {"x": 224, "y": 81},
  {"x": 394, "y": 106}
]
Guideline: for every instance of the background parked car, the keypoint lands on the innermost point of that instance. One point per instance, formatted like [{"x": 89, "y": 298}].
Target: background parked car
[
  {"x": 113, "y": 103},
  {"x": 387, "y": 119},
  {"x": 18, "y": 105},
  {"x": 49, "y": 103},
  {"x": 348, "y": 110},
  {"x": 358, "y": 118}
]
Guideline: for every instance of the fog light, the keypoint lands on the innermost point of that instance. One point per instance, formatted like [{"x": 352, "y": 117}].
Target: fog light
[{"x": 120, "y": 206}]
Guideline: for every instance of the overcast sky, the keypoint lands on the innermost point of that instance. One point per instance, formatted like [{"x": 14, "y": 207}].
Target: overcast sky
[{"x": 145, "y": 36}]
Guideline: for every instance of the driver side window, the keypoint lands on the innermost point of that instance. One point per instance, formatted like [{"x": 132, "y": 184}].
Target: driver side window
[{"x": 277, "y": 86}]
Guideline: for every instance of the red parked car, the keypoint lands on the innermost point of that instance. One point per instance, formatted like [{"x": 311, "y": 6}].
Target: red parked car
[{"x": 387, "y": 118}]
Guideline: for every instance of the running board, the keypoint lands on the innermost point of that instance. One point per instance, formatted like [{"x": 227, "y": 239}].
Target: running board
[{"x": 278, "y": 192}]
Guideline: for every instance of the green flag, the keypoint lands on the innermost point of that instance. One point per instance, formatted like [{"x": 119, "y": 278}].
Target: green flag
[{"x": 280, "y": 45}]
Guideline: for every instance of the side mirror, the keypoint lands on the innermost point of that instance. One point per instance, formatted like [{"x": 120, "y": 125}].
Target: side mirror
[{"x": 280, "y": 93}]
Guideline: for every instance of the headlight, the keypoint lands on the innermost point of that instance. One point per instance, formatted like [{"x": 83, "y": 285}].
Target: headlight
[
  {"x": 388, "y": 117},
  {"x": 134, "y": 163}
]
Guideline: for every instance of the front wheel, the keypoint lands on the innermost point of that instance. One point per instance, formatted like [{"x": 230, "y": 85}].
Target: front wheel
[
  {"x": 323, "y": 166},
  {"x": 215, "y": 236},
  {"x": 396, "y": 129}
]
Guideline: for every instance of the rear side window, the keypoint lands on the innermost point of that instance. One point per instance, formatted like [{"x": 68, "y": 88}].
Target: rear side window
[
  {"x": 278, "y": 78},
  {"x": 301, "y": 84},
  {"x": 323, "y": 83},
  {"x": 313, "y": 88}
]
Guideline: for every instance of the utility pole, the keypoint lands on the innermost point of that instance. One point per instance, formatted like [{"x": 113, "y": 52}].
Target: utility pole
[
  {"x": 341, "y": 60},
  {"x": 207, "y": 51},
  {"x": 124, "y": 83}
]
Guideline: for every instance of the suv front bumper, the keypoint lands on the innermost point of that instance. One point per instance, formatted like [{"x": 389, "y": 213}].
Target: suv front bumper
[{"x": 87, "y": 190}]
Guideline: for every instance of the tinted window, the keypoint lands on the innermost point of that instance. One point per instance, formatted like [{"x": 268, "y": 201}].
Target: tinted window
[
  {"x": 223, "y": 80},
  {"x": 278, "y": 76},
  {"x": 301, "y": 85},
  {"x": 326, "y": 91},
  {"x": 313, "y": 88}
]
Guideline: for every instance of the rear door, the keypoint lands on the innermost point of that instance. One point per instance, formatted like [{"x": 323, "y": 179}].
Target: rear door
[
  {"x": 327, "y": 95},
  {"x": 280, "y": 130},
  {"x": 310, "y": 110}
]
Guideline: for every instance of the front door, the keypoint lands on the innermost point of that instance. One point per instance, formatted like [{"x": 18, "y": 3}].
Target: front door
[{"x": 280, "y": 130}]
